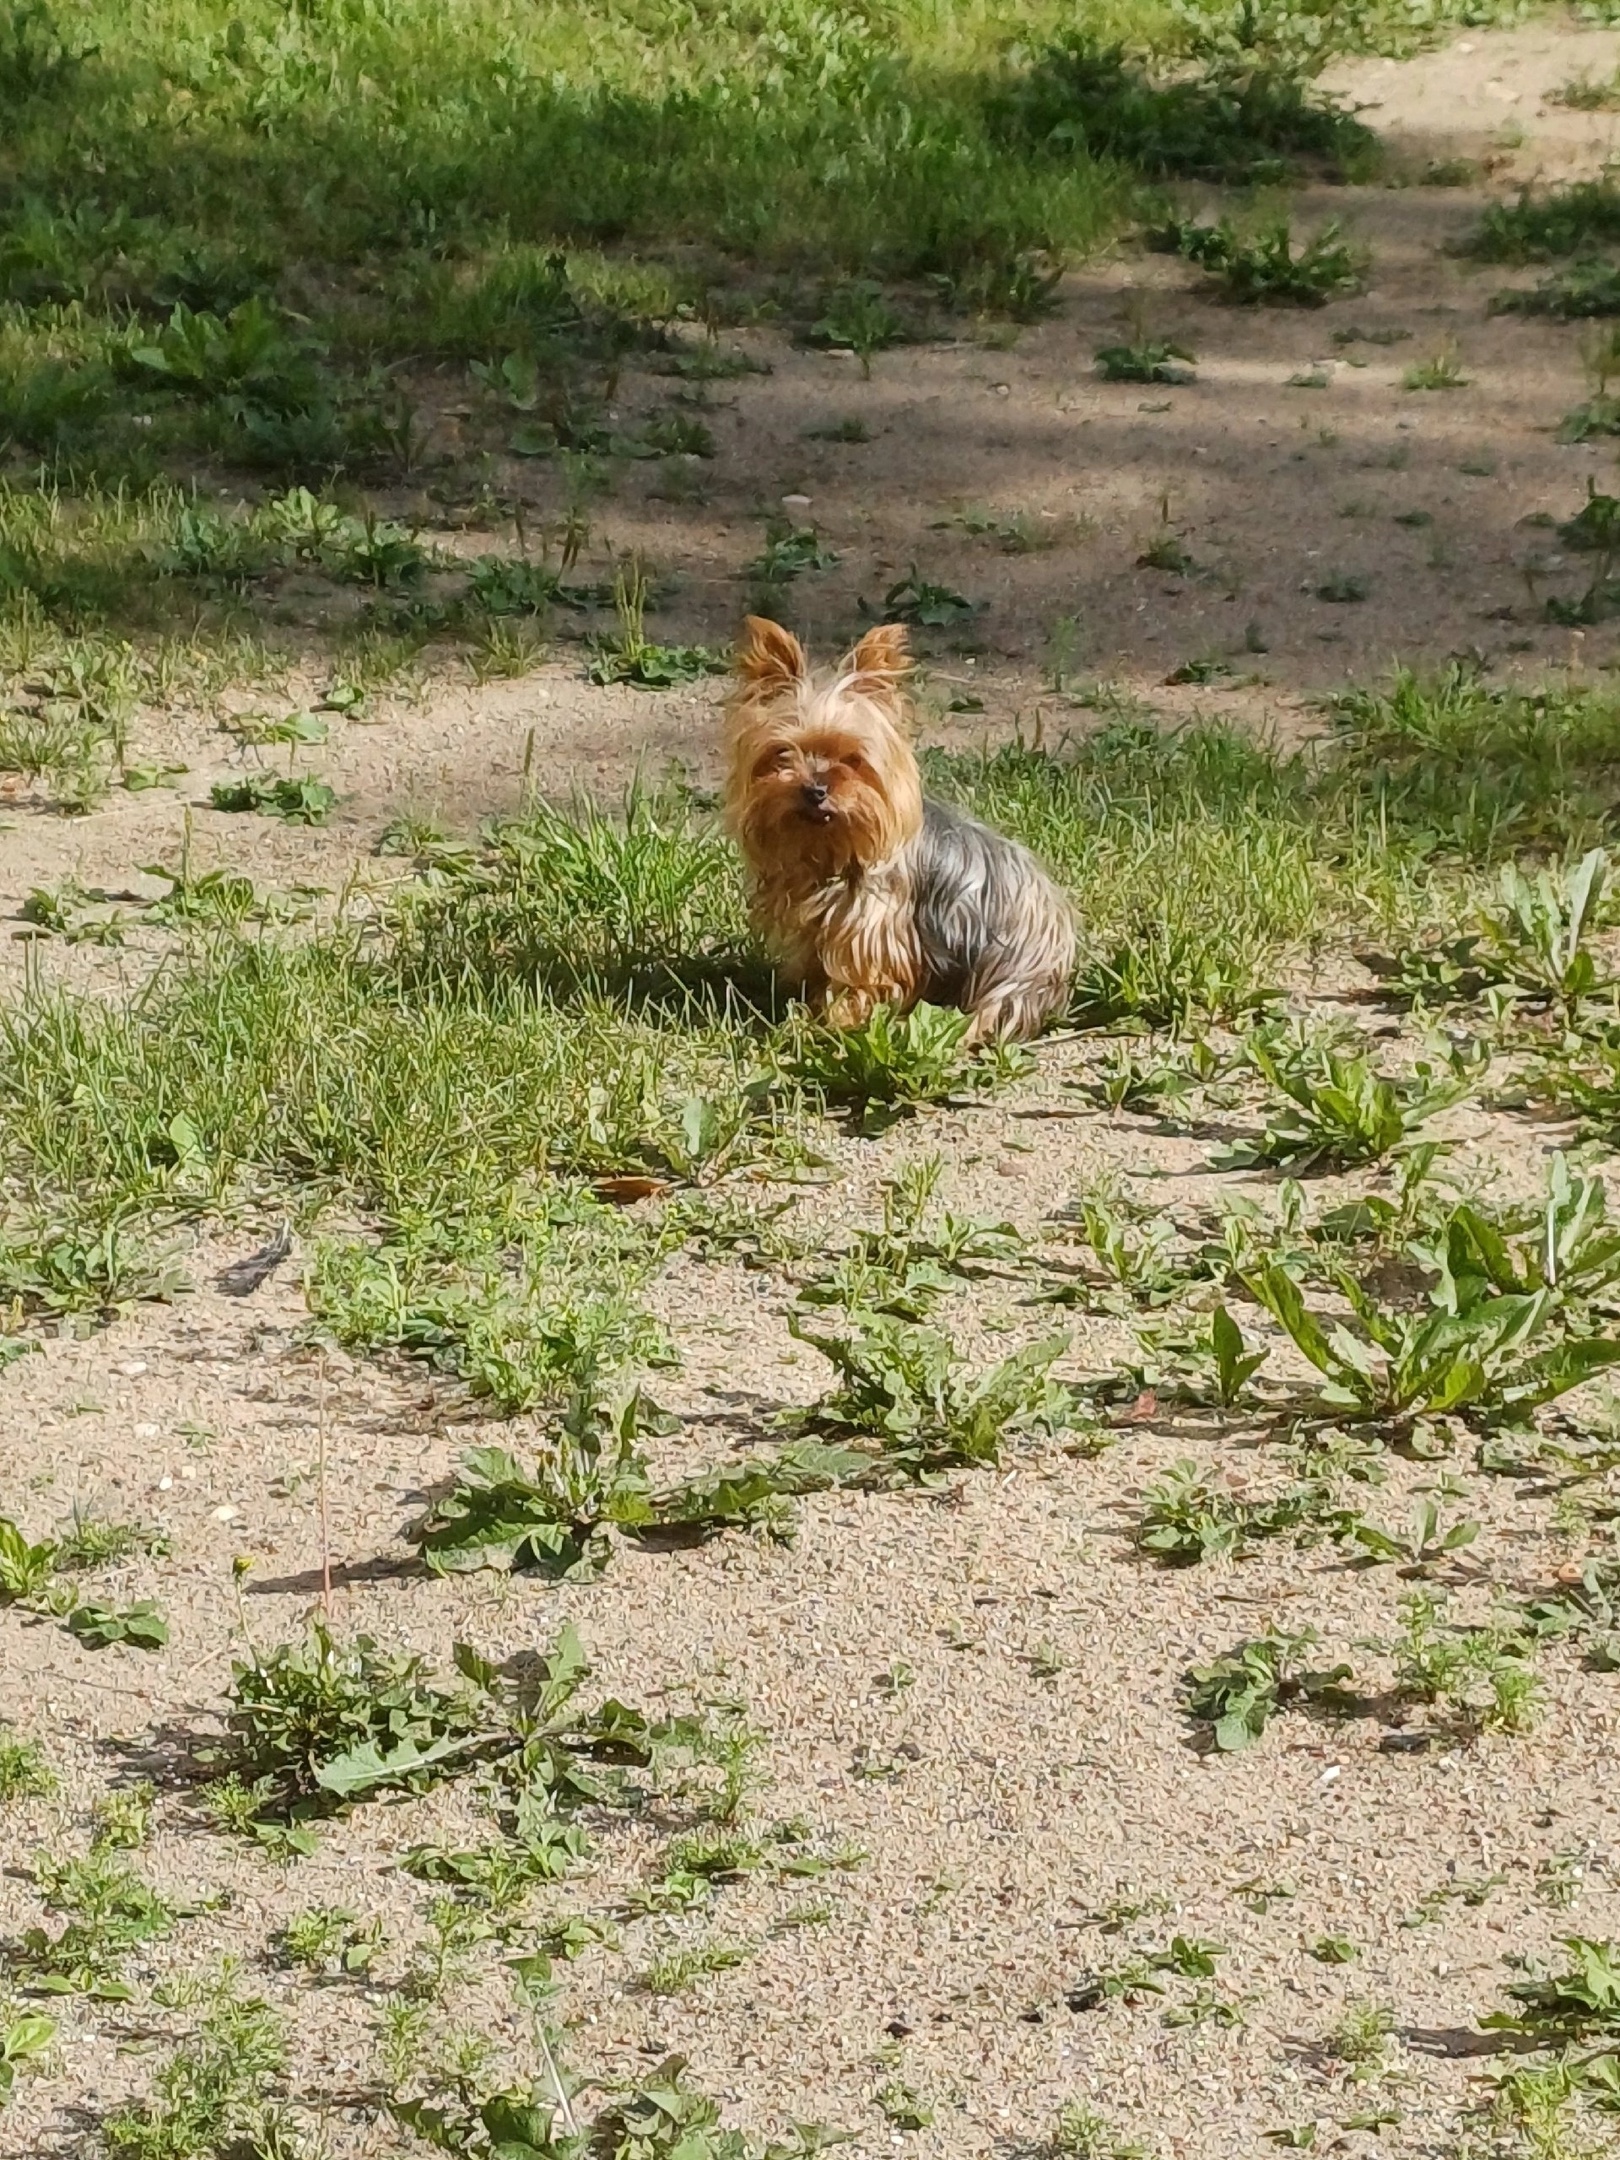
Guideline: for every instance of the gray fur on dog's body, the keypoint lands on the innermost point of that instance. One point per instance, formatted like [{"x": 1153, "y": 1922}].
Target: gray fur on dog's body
[{"x": 997, "y": 937}]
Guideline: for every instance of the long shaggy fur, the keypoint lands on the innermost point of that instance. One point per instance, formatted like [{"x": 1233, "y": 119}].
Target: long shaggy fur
[{"x": 871, "y": 892}]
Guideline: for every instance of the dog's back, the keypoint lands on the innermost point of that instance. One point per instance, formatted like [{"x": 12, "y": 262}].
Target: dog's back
[{"x": 997, "y": 936}]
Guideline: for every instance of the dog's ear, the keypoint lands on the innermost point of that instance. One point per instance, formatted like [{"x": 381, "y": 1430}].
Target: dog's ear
[
  {"x": 769, "y": 657},
  {"x": 882, "y": 660}
]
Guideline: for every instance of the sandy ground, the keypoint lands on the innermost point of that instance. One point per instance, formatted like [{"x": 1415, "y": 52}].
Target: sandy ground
[{"x": 996, "y": 1811}]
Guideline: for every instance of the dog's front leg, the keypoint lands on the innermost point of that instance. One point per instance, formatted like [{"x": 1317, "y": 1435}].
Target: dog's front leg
[{"x": 844, "y": 1006}]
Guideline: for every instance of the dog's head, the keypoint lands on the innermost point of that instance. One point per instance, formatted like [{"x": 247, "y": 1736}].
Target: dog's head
[{"x": 822, "y": 776}]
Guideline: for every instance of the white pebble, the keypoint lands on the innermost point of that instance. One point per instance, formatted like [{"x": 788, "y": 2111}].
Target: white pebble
[{"x": 227, "y": 1513}]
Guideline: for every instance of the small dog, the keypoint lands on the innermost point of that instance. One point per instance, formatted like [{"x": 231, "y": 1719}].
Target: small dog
[{"x": 874, "y": 894}]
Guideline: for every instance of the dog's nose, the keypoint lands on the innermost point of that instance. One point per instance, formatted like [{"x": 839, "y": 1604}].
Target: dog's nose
[{"x": 814, "y": 793}]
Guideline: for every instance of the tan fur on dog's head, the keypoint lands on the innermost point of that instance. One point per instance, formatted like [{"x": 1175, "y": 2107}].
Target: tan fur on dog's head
[{"x": 821, "y": 776}]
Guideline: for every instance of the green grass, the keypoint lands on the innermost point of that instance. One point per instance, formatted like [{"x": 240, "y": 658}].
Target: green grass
[
  {"x": 1264, "y": 268},
  {"x": 1575, "y": 220},
  {"x": 229, "y": 233},
  {"x": 583, "y": 999},
  {"x": 591, "y": 122}
]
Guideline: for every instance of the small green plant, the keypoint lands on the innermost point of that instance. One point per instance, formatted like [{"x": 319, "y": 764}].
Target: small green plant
[
  {"x": 591, "y": 1475},
  {"x": 858, "y": 318},
  {"x": 904, "y": 1269},
  {"x": 914, "y": 599},
  {"x": 678, "y": 435},
  {"x": 1537, "y": 936},
  {"x": 1166, "y": 551},
  {"x": 495, "y": 1879},
  {"x": 1239, "y": 106},
  {"x": 1582, "y": 94},
  {"x": 304, "y": 801},
  {"x": 902, "y": 1392},
  {"x": 1600, "y": 414},
  {"x": 903, "y": 2106},
  {"x": 121, "y": 1821},
  {"x": 1020, "y": 285},
  {"x": 297, "y": 730},
  {"x": 315, "y": 1726},
  {"x": 325, "y": 1722},
  {"x": 503, "y": 585},
  {"x": 1448, "y": 971},
  {"x": 657, "y": 2117},
  {"x": 1237, "y": 1694},
  {"x": 1015, "y": 532},
  {"x": 789, "y": 552},
  {"x": 1575, "y": 2007},
  {"x": 1080, "y": 2133},
  {"x": 1539, "y": 2104},
  {"x": 1581, "y": 292},
  {"x": 1136, "y": 1251},
  {"x": 592, "y": 1480},
  {"x": 1335, "y": 1108},
  {"x": 25, "y": 1569},
  {"x": 1472, "y": 1351},
  {"x": 1441, "y": 372},
  {"x": 68, "y": 1265},
  {"x": 1344, "y": 590},
  {"x": 680, "y": 1970},
  {"x": 102, "y": 1627},
  {"x": 1361, "y": 2037},
  {"x": 891, "y": 1059},
  {"x": 91, "y": 1541},
  {"x": 248, "y": 351},
  {"x": 1164, "y": 974},
  {"x": 1235, "y": 1363},
  {"x": 1594, "y": 530},
  {"x": 61, "y": 912},
  {"x": 1153, "y": 1081},
  {"x": 24, "y": 2044},
  {"x": 1185, "y": 1519},
  {"x": 330, "y": 1942},
  {"x": 1149, "y": 360},
  {"x": 214, "y": 548},
  {"x": 1334, "y": 1950},
  {"x": 1482, "y": 1676},
  {"x": 1264, "y": 268},
  {"x": 24, "y": 1772},
  {"x": 311, "y": 531},
  {"x": 216, "y": 898},
  {"x": 211, "y": 2093},
  {"x": 1429, "y": 1541},
  {"x": 110, "y": 1913},
  {"x": 1187, "y": 1957},
  {"x": 633, "y": 657},
  {"x": 1574, "y": 220}
]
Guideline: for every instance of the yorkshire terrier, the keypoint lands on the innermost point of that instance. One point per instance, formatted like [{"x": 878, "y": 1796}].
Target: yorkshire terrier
[{"x": 873, "y": 893}]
